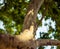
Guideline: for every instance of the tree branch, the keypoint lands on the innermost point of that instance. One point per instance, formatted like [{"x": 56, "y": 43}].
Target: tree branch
[
  {"x": 30, "y": 18},
  {"x": 44, "y": 42},
  {"x": 11, "y": 42},
  {"x": 29, "y": 23},
  {"x": 44, "y": 12},
  {"x": 43, "y": 15}
]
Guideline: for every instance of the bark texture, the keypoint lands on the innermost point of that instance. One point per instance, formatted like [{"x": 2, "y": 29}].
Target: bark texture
[
  {"x": 30, "y": 18},
  {"x": 11, "y": 42},
  {"x": 25, "y": 39},
  {"x": 45, "y": 42}
]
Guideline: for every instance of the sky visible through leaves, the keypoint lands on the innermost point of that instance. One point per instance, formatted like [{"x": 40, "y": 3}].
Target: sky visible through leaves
[
  {"x": 40, "y": 29},
  {"x": 44, "y": 28}
]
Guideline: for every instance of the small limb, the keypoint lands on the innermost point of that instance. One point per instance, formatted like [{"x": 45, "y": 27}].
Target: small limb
[{"x": 44, "y": 42}]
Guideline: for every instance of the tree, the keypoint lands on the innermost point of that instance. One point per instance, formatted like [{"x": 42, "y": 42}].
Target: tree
[{"x": 13, "y": 15}]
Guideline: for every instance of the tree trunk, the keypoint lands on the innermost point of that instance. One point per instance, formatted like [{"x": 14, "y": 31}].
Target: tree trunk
[
  {"x": 26, "y": 39},
  {"x": 30, "y": 18}
]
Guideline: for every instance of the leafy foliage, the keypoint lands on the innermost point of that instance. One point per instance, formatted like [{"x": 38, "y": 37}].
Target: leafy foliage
[{"x": 12, "y": 13}]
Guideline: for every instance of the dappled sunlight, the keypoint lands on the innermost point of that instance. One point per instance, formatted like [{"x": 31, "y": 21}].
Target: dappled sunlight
[
  {"x": 30, "y": 12},
  {"x": 28, "y": 18},
  {"x": 26, "y": 35}
]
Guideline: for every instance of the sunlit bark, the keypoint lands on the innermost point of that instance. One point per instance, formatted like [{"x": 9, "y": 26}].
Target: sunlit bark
[{"x": 25, "y": 39}]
